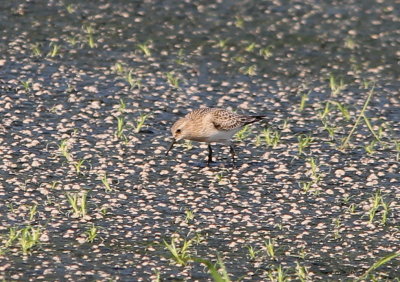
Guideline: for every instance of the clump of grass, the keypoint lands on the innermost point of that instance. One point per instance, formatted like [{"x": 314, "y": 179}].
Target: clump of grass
[
  {"x": 270, "y": 137},
  {"x": 189, "y": 215},
  {"x": 266, "y": 52},
  {"x": 145, "y": 48},
  {"x": 78, "y": 203},
  {"x": 377, "y": 201},
  {"x": 119, "y": 133},
  {"x": 252, "y": 252},
  {"x": 336, "y": 84},
  {"x": 250, "y": 47},
  {"x": 122, "y": 105},
  {"x": 301, "y": 272},
  {"x": 239, "y": 23},
  {"x": 218, "y": 270},
  {"x": 27, "y": 238},
  {"x": 173, "y": 79},
  {"x": 36, "y": 50},
  {"x": 249, "y": 70},
  {"x": 132, "y": 81},
  {"x": 179, "y": 254},
  {"x": 26, "y": 84},
  {"x": 78, "y": 165},
  {"x": 337, "y": 228},
  {"x": 63, "y": 149},
  {"x": 223, "y": 43},
  {"x": 304, "y": 142},
  {"x": 32, "y": 211},
  {"x": 139, "y": 123},
  {"x": 54, "y": 50},
  {"x": 269, "y": 247},
  {"x": 330, "y": 129},
  {"x": 91, "y": 233},
  {"x": 303, "y": 100},
  {"x": 243, "y": 133},
  {"x": 89, "y": 30},
  {"x": 278, "y": 274}
]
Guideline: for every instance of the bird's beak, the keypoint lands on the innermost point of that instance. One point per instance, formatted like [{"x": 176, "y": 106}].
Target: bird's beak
[{"x": 170, "y": 146}]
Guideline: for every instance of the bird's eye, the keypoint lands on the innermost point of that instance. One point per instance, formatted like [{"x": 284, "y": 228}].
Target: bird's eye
[{"x": 178, "y": 131}]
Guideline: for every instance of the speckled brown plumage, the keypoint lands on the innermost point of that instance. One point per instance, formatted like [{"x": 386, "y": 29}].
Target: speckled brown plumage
[{"x": 211, "y": 125}]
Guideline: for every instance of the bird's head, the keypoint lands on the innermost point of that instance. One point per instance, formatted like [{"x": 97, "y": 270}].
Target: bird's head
[{"x": 180, "y": 130}]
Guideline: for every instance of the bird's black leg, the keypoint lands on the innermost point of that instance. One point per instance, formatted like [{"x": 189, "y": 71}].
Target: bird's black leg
[
  {"x": 232, "y": 151},
  {"x": 209, "y": 155}
]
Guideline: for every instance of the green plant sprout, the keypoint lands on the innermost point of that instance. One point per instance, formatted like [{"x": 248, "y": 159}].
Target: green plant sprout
[
  {"x": 189, "y": 215},
  {"x": 304, "y": 142},
  {"x": 370, "y": 147},
  {"x": 278, "y": 274},
  {"x": 271, "y": 137},
  {"x": 91, "y": 233},
  {"x": 119, "y": 133},
  {"x": 360, "y": 116},
  {"x": 223, "y": 43},
  {"x": 26, "y": 84},
  {"x": 36, "y": 50},
  {"x": 78, "y": 165},
  {"x": 326, "y": 110},
  {"x": 249, "y": 70},
  {"x": 336, "y": 85},
  {"x": 55, "y": 49},
  {"x": 301, "y": 272},
  {"x": 89, "y": 30},
  {"x": 303, "y": 100},
  {"x": 133, "y": 82},
  {"x": 145, "y": 48},
  {"x": 28, "y": 238},
  {"x": 269, "y": 247},
  {"x": 72, "y": 40},
  {"x": 239, "y": 23},
  {"x": 188, "y": 145},
  {"x": 173, "y": 80},
  {"x": 106, "y": 183},
  {"x": 336, "y": 230},
  {"x": 250, "y": 47},
  {"x": 63, "y": 149},
  {"x": 266, "y": 52},
  {"x": 343, "y": 109},
  {"x": 243, "y": 133},
  {"x": 122, "y": 105},
  {"x": 78, "y": 204},
  {"x": 70, "y": 8},
  {"x": 330, "y": 129},
  {"x": 32, "y": 211},
  {"x": 180, "y": 254},
  {"x": 139, "y": 123},
  {"x": 252, "y": 252}
]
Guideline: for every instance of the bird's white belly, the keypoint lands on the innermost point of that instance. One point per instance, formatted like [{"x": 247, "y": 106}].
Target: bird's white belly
[{"x": 221, "y": 136}]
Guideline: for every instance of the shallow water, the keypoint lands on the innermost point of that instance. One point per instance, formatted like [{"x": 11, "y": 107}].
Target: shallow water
[{"x": 253, "y": 57}]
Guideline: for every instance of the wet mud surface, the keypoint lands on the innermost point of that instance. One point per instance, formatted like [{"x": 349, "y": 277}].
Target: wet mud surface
[{"x": 71, "y": 70}]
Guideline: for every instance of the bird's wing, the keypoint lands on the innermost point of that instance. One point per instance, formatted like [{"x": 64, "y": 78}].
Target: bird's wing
[{"x": 226, "y": 120}]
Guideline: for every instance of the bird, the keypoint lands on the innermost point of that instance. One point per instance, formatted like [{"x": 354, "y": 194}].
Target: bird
[{"x": 211, "y": 125}]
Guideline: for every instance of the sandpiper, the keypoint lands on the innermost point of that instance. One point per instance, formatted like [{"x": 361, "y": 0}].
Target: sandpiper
[{"x": 210, "y": 125}]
